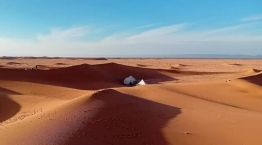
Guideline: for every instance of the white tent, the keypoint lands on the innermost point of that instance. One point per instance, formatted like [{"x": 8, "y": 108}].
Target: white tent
[
  {"x": 141, "y": 83},
  {"x": 129, "y": 80}
]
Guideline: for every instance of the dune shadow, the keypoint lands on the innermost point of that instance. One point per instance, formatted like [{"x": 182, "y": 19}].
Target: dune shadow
[
  {"x": 61, "y": 63},
  {"x": 124, "y": 120},
  {"x": 236, "y": 64},
  {"x": 13, "y": 63},
  {"x": 6, "y": 91},
  {"x": 8, "y": 107},
  {"x": 233, "y": 64},
  {"x": 142, "y": 65},
  {"x": 180, "y": 65},
  {"x": 120, "y": 72},
  {"x": 254, "y": 79},
  {"x": 46, "y": 67},
  {"x": 85, "y": 76}
]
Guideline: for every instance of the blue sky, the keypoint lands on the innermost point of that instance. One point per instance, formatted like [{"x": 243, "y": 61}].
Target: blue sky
[{"x": 130, "y": 27}]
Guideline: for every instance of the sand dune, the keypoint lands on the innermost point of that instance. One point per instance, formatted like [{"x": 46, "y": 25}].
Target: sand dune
[
  {"x": 180, "y": 65},
  {"x": 8, "y": 107},
  {"x": 134, "y": 120},
  {"x": 255, "y": 79},
  {"x": 250, "y": 71},
  {"x": 31, "y": 99},
  {"x": 120, "y": 72},
  {"x": 59, "y": 63},
  {"x": 181, "y": 72},
  {"x": 45, "y": 67},
  {"x": 13, "y": 63},
  {"x": 242, "y": 93},
  {"x": 87, "y": 103},
  {"x": 80, "y": 77},
  {"x": 142, "y": 65},
  {"x": 86, "y": 77},
  {"x": 233, "y": 64}
]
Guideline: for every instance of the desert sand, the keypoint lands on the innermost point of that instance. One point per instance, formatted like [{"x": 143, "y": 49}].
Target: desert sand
[{"x": 83, "y": 101}]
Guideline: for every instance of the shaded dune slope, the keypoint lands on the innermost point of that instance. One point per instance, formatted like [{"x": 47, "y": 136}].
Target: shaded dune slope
[
  {"x": 125, "y": 119},
  {"x": 255, "y": 79},
  {"x": 119, "y": 72},
  {"x": 13, "y": 63},
  {"x": 180, "y": 65},
  {"x": 8, "y": 107},
  {"x": 142, "y": 65},
  {"x": 80, "y": 77},
  {"x": 233, "y": 64},
  {"x": 92, "y": 77},
  {"x": 46, "y": 67},
  {"x": 86, "y": 77},
  {"x": 6, "y": 91},
  {"x": 105, "y": 117},
  {"x": 59, "y": 63}
]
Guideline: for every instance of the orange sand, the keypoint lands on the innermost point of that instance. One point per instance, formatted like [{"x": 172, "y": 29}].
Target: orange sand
[{"x": 83, "y": 101}]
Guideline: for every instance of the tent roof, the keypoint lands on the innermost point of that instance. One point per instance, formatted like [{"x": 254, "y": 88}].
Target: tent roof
[{"x": 141, "y": 83}]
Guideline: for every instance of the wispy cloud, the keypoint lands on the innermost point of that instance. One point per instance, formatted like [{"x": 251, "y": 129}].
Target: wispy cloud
[
  {"x": 253, "y": 18},
  {"x": 60, "y": 35},
  {"x": 158, "y": 32},
  {"x": 175, "y": 38},
  {"x": 146, "y": 26}
]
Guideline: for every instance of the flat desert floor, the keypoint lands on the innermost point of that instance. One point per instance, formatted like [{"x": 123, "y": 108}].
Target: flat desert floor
[{"x": 84, "y": 102}]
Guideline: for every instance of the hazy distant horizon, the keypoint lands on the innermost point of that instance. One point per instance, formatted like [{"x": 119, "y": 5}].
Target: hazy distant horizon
[{"x": 189, "y": 56}]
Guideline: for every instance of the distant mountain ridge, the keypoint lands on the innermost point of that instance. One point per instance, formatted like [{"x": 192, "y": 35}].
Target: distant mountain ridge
[
  {"x": 196, "y": 56},
  {"x": 214, "y": 56}
]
